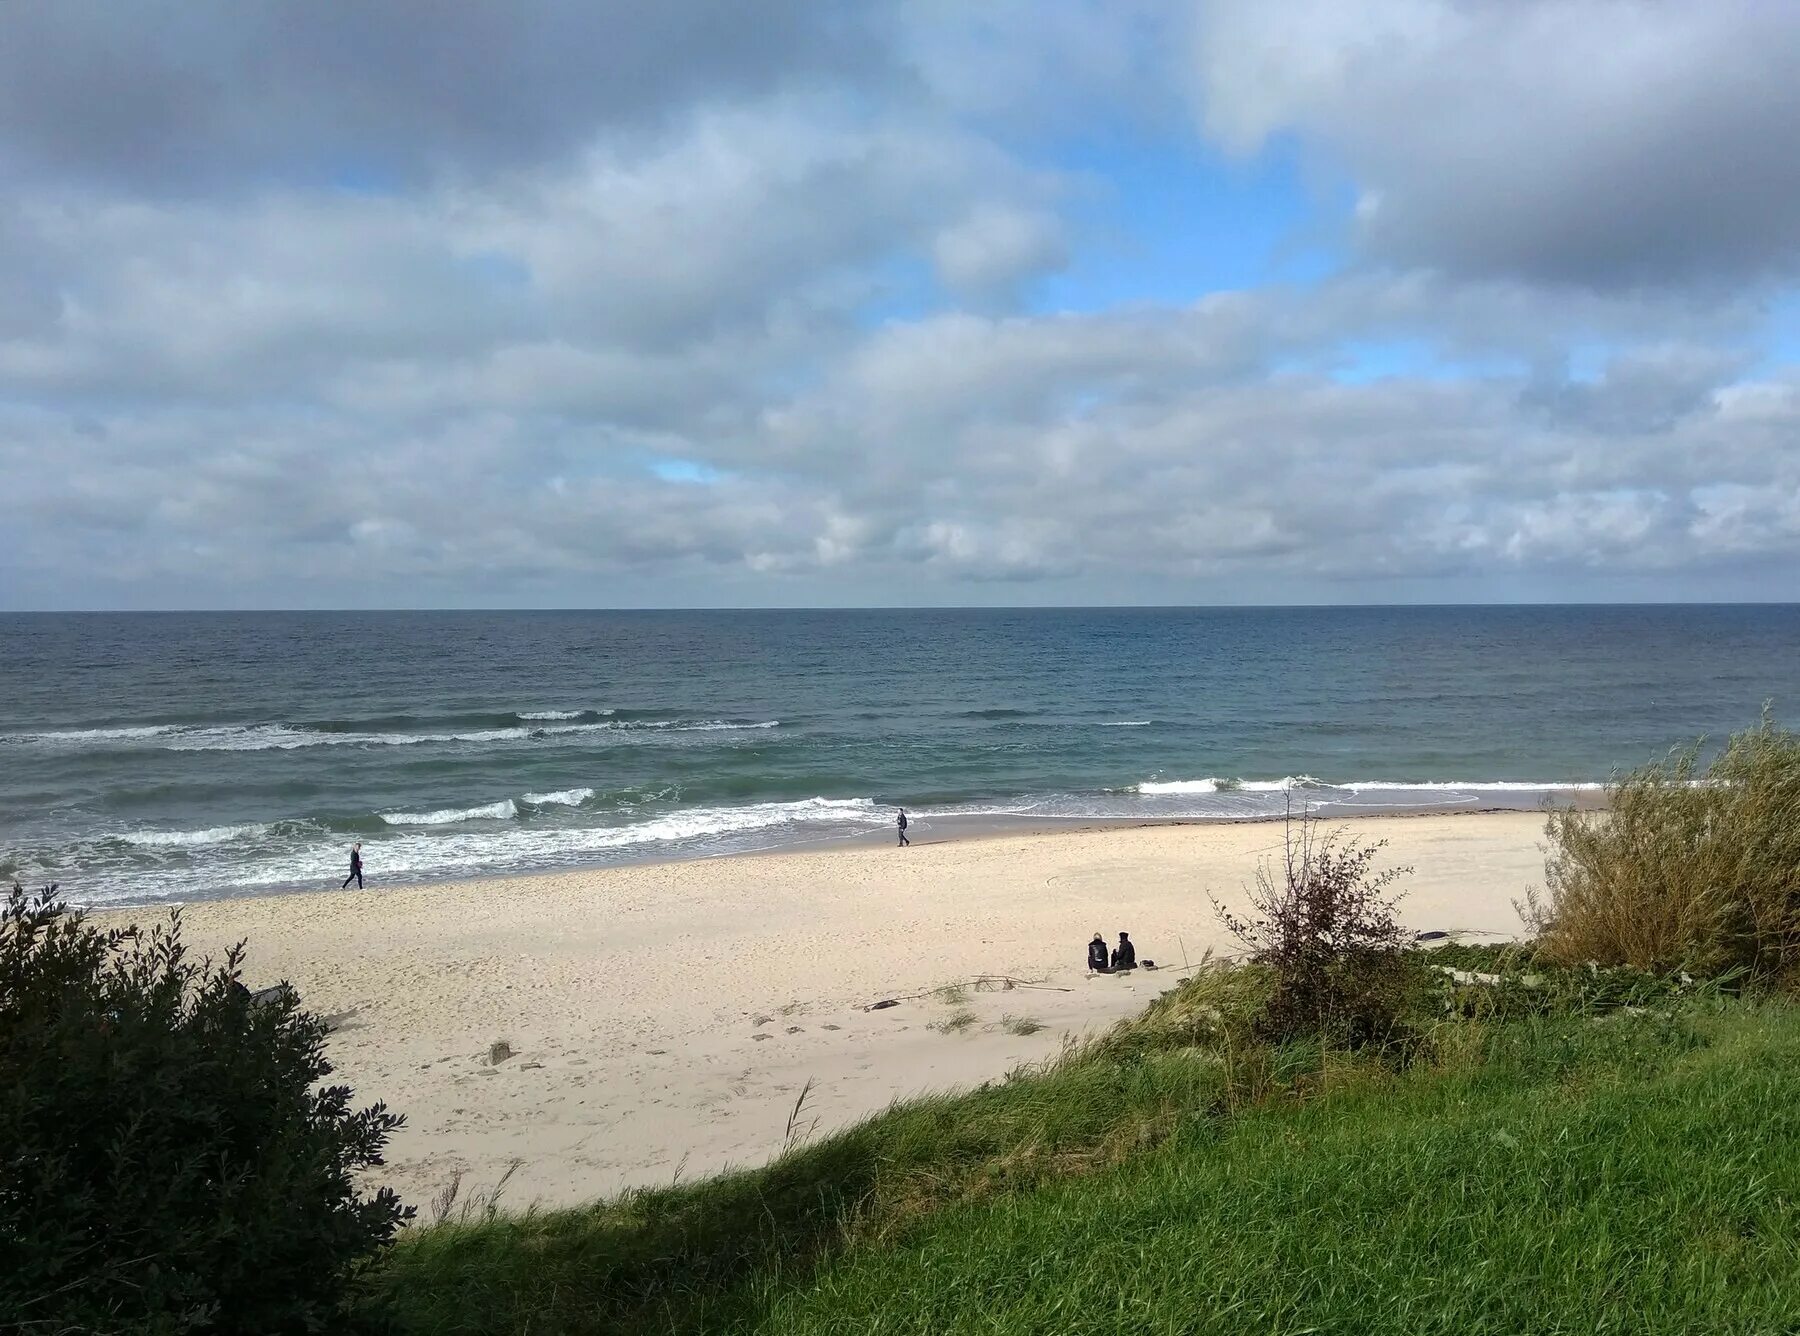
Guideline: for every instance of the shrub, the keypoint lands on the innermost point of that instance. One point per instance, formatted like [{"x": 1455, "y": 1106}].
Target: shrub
[
  {"x": 168, "y": 1162},
  {"x": 1323, "y": 923},
  {"x": 1687, "y": 867}
]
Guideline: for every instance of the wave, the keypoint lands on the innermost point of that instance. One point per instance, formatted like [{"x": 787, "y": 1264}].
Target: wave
[
  {"x": 186, "y": 838},
  {"x": 1152, "y": 787},
  {"x": 1126, "y": 723},
  {"x": 449, "y": 816},
  {"x": 132, "y": 733},
  {"x": 996, "y": 714},
  {"x": 1472, "y": 786},
  {"x": 531, "y": 716},
  {"x": 439, "y": 844},
  {"x": 560, "y": 798},
  {"x": 1292, "y": 782},
  {"x": 516, "y": 835},
  {"x": 336, "y": 733}
]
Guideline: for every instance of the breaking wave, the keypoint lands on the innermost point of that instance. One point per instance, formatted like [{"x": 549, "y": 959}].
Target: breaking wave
[
  {"x": 449, "y": 816},
  {"x": 182, "y": 839},
  {"x": 289, "y": 737},
  {"x": 1154, "y": 787},
  {"x": 560, "y": 798}
]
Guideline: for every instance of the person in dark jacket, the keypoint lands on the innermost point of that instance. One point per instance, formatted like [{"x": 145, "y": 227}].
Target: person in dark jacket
[
  {"x": 1097, "y": 959},
  {"x": 1124, "y": 956},
  {"x": 355, "y": 867},
  {"x": 902, "y": 825}
]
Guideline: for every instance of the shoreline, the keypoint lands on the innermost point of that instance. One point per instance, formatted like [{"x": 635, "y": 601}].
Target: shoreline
[
  {"x": 956, "y": 828},
  {"x": 664, "y": 1017}
]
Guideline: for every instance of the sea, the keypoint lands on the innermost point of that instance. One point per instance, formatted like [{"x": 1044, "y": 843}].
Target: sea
[{"x": 147, "y": 758}]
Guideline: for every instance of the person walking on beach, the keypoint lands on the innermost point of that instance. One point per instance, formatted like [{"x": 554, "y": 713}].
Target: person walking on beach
[
  {"x": 355, "y": 867},
  {"x": 901, "y": 823},
  {"x": 1124, "y": 956},
  {"x": 1097, "y": 961}
]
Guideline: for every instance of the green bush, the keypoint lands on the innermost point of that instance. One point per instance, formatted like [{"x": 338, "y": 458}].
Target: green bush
[
  {"x": 168, "y": 1159},
  {"x": 1688, "y": 867}
]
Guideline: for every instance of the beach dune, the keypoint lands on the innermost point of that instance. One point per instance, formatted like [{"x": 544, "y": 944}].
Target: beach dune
[{"x": 663, "y": 1019}]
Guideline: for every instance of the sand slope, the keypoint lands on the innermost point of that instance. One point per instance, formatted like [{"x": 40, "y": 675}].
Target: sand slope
[{"x": 665, "y": 1017}]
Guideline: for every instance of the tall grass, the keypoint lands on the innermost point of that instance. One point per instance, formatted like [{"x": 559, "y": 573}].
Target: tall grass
[{"x": 1688, "y": 866}]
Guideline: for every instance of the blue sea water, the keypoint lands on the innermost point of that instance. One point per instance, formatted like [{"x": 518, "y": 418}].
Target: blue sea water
[{"x": 175, "y": 756}]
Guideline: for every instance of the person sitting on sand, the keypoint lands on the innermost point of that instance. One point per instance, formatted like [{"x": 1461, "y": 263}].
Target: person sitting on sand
[
  {"x": 1097, "y": 959},
  {"x": 1124, "y": 956}
]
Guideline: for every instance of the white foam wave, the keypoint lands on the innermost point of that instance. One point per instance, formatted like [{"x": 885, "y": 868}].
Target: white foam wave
[
  {"x": 1126, "y": 723},
  {"x": 560, "y": 798},
  {"x": 449, "y": 816},
  {"x": 282, "y": 737},
  {"x": 1468, "y": 786},
  {"x": 533, "y": 725},
  {"x": 76, "y": 736},
  {"x": 186, "y": 838},
  {"x": 423, "y": 853},
  {"x": 1151, "y": 786},
  {"x": 1292, "y": 782}
]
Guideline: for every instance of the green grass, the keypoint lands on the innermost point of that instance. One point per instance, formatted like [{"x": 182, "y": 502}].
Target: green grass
[
  {"x": 1615, "y": 1180},
  {"x": 1595, "y": 1155}
]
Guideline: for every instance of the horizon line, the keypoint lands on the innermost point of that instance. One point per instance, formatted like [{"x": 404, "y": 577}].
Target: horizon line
[{"x": 906, "y": 607}]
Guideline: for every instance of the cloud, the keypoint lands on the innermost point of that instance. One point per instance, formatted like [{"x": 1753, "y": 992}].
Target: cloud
[
  {"x": 1609, "y": 143},
  {"x": 740, "y": 236},
  {"x": 989, "y": 253},
  {"x": 1063, "y": 447},
  {"x": 769, "y": 325},
  {"x": 211, "y": 95}
]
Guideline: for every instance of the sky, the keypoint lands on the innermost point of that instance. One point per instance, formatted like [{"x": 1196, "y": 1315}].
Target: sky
[{"x": 581, "y": 303}]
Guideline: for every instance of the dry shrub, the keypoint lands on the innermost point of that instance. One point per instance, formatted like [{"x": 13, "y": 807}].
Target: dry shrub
[
  {"x": 1323, "y": 922},
  {"x": 1687, "y": 867}
]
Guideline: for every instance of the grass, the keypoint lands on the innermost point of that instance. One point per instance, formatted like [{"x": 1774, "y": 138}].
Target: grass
[
  {"x": 955, "y": 1023},
  {"x": 1586, "y": 1150},
  {"x": 684, "y": 1259},
  {"x": 1585, "y": 1177}
]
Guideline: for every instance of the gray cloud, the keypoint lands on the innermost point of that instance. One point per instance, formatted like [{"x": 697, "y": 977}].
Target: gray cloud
[
  {"x": 1105, "y": 447},
  {"x": 168, "y": 97},
  {"x": 759, "y": 328},
  {"x": 1601, "y": 142}
]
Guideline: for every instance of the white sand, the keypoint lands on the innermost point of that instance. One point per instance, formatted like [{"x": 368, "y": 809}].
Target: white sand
[{"x": 665, "y": 1017}]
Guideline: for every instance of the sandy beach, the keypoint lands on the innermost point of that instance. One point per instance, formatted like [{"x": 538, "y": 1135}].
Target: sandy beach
[{"x": 664, "y": 1018}]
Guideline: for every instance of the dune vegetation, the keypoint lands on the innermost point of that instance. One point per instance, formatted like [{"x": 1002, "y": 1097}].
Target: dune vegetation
[
  {"x": 1689, "y": 865},
  {"x": 1595, "y": 1131},
  {"x": 1559, "y": 1150}
]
